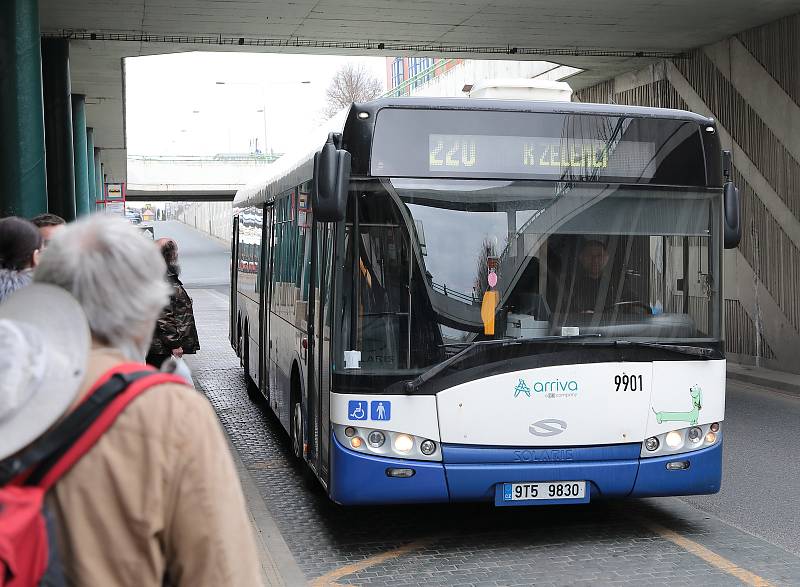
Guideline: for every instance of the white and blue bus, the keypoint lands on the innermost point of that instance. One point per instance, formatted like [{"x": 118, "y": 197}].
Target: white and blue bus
[{"x": 519, "y": 302}]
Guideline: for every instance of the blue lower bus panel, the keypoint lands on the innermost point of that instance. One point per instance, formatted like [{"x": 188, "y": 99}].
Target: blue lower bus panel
[
  {"x": 479, "y": 474},
  {"x": 360, "y": 479},
  {"x": 703, "y": 475}
]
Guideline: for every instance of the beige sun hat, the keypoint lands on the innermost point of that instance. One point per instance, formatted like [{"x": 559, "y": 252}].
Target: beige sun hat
[{"x": 44, "y": 344}]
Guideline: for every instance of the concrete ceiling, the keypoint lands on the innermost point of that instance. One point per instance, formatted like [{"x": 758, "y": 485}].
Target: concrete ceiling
[{"x": 604, "y": 38}]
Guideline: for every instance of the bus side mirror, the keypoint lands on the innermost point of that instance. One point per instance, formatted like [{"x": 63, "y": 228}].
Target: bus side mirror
[
  {"x": 331, "y": 181},
  {"x": 732, "y": 228}
]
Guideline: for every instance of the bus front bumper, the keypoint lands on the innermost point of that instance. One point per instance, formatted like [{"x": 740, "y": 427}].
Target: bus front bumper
[{"x": 475, "y": 473}]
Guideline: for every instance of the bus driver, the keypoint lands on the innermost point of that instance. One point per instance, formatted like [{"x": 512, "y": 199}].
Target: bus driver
[{"x": 595, "y": 286}]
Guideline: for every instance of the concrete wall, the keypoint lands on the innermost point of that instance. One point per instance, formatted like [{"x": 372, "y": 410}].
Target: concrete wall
[
  {"x": 751, "y": 84},
  {"x": 213, "y": 218}
]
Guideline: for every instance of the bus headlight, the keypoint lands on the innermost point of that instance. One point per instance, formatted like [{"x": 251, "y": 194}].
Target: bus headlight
[
  {"x": 428, "y": 447},
  {"x": 695, "y": 434},
  {"x": 681, "y": 440},
  {"x": 385, "y": 443},
  {"x": 674, "y": 439},
  {"x": 403, "y": 443},
  {"x": 376, "y": 439}
]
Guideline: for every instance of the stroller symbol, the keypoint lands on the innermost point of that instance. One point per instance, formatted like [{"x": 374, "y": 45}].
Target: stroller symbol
[{"x": 357, "y": 410}]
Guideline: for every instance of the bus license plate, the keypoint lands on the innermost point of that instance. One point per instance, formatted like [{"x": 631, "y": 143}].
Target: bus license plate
[{"x": 555, "y": 490}]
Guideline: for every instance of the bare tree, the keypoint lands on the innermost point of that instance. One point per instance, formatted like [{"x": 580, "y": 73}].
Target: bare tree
[{"x": 352, "y": 83}]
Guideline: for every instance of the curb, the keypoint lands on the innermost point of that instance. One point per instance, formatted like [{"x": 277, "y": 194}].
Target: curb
[
  {"x": 278, "y": 566},
  {"x": 761, "y": 381}
]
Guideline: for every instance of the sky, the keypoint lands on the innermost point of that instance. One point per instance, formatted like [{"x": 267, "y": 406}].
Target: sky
[{"x": 175, "y": 105}]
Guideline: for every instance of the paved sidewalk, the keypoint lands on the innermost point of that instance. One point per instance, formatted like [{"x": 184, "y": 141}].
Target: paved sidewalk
[
  {"x": 278, "y": 566},
  {"x": 775, "y": 380}
]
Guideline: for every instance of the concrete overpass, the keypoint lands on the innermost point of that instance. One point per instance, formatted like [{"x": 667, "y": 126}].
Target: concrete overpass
[
  {"x": 192, "y": 179},
  {"x": 734, "y": 60},
  {"x": 89, "y": 41}
]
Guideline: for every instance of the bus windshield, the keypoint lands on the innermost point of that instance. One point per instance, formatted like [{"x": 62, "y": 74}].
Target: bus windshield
[{"x": 444, "y": 263}]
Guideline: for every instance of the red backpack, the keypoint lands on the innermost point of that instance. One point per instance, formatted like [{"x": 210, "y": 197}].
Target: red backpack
[{"x": 28, "y": 554}]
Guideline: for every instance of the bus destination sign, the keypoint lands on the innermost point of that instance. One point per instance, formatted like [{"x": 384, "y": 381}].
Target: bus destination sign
[{"x": 514, "y": 155}]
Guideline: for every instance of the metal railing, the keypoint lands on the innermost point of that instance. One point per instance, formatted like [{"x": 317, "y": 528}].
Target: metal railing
[{"x": 452, "y": 293}]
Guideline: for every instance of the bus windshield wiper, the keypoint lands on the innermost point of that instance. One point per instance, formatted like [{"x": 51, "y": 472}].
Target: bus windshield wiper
[
  {"x": 683, "y": 349},
  {"x": 423, "y": 378}
]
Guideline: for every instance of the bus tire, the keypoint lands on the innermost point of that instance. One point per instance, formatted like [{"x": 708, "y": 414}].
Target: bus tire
[
  {"x": 252, "y": 389},
  {"x": 239, "y": 340},
  {"x": 303, "y": 468},
  {"x": 297, "y": 417}
]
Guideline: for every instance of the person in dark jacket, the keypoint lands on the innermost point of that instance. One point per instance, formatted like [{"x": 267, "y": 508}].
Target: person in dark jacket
[
  {"x": 20, "y": 245},
  {"x": 175, "y": 333}
]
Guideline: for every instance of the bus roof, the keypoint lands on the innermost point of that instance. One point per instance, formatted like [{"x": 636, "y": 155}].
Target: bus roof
[
  {"x": 533, "y": 106},
  {"x": 296, "y": 167},
  {"x": 291, "y": 169}
]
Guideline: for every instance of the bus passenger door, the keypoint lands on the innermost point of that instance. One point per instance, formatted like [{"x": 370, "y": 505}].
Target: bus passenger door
[
  {"x": 265, "y": 280},
  {"x": 323, "y": 341},
  {"x": 233, "y": 330},
  {"x": 312, "y": 386},
  {"x": 318, "y": 383}
]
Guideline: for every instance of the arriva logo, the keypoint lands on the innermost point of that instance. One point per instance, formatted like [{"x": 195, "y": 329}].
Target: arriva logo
[{"x": 554, "y": 388}]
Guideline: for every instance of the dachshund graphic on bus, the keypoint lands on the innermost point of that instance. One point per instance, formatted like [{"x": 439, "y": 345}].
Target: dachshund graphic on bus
[{"x": 696, "y": 395}]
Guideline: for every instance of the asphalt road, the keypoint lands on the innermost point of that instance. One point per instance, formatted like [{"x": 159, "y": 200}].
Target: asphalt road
[
  {"x": 205, "y": 262},
  {"x": 761, "y": 475},
  {"x": 757, "y": 509}
]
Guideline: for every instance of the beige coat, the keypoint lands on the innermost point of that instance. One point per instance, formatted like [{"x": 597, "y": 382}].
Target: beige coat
[{"x": 157, "y": 495}]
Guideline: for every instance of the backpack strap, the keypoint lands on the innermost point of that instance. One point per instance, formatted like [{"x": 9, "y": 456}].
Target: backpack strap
[
  {"x": 102, "y": 421},
  {"x": 57, "y": 440},
  {"x": 54, "y": 454}
]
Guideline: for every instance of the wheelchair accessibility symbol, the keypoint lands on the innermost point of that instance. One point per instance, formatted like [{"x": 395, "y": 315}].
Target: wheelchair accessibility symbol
[{"x": 357, "y": 410}]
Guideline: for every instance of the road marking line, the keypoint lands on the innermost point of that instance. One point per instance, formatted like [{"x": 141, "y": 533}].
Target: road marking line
[
  {"x": 329, "y": 579},
  {"x": 707, "y": 555}
]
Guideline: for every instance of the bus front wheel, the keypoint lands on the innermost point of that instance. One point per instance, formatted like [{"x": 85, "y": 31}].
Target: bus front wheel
[
  {"x": 252, "y": 389},
  {"x": 297, "y": 430}
]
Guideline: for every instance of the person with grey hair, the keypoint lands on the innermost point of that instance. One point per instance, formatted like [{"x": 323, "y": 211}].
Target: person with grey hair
[{"x": 156, "y": 500}]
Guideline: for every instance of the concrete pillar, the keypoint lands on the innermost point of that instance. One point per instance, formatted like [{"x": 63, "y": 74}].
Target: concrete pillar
[
  {"x": 90, "y": 167},
  {"x": 80, "y": 151},
  {"x": 58, "y": 128},
  {"x": 23, "y": 187},
  {"x": 103, "y": 179},
  {"x": 98, "y": 175}
]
